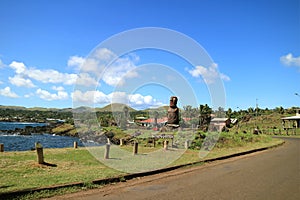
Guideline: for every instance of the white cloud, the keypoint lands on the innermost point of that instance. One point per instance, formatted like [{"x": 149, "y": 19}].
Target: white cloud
[
  {"x": 44, "y": 76},
  {"x": 99, "y": 64},
  {"x": 209, "y": 75},
  {"x": 44, "y": 94},
  {"x": 90, "y": 97},
  {"x": 86, "y": 79},
  {"x": 104, "y": 54},
  {"x": 51, "y": 76},
  {"x": 59, "y": 88},
  {"x": 290, "y": 60},
  {"x": 121, "y": 69},
  {"x": 8, "y": 93},
  {"x": 95, "y": 63},
  {"x": 98, "y": 97},
  {"x": 76, "y": 61},
  {"x": 19, "y": 67},
  {"x": 19, "y": 81}
]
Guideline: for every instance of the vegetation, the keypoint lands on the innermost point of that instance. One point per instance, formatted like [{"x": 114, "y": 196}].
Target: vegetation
[
  {"x": 266, "y": 121},
  {"x": 20, "y": 114}
]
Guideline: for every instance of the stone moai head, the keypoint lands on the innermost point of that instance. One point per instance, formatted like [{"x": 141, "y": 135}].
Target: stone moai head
[
  {"x": 173, "y": 101},
  {"x": 173, "y": 111}
]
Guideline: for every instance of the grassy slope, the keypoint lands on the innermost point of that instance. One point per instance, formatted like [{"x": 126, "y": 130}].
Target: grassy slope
[{"x": 268, "y": 124}]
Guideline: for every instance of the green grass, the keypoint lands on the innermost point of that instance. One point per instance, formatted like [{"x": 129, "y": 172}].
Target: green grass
[{"x": 19, "y": 170}]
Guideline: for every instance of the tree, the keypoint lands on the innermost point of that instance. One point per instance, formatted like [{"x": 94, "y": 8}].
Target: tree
[
  {"x": 279, "y": 110},
  {"x": 250, "y": 110},
  {"x": 220, "y": 112},
  {"x": 229, "y": 113},
  {"x": 204, "y": 117}
]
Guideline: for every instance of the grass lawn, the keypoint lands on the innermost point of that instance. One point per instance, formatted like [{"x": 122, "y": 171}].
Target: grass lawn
[{"x": 19, "y": 170}]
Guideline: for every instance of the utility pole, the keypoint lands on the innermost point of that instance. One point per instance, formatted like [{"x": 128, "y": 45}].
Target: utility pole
[{"x": 256, "y": 110}]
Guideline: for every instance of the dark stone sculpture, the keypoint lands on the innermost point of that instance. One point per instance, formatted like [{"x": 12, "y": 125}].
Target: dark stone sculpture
[{"x": 173, "y": 112}]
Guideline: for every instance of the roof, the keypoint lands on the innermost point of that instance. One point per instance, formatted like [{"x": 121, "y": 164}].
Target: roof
[
  {"x": 151, "y": 120},
  {"x": 217, "y": 119},
  {"x": 291, "y": 118}
]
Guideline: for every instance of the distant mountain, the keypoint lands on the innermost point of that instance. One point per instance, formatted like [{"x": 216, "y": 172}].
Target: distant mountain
[
  {"x": 157, "y": 109},
  {"x": 13, "y": 107},
  {"x": 36, "y": 108},
  {"x": 82, "y": 109},
  {"x": 115, "y": 107}
]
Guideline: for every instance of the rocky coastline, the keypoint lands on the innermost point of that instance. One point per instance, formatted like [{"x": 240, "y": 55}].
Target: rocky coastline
[{"x": 29, "y": 130}]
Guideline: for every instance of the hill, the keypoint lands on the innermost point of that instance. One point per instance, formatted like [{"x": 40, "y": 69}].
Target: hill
[
  {"x": 115, "y": 107},
  {"x": 266, "y": 123}
]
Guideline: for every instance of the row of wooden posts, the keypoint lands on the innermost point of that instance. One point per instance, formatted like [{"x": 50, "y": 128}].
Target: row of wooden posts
[
  {"x": 40, "y": 154},
  {"x": 135, "y": 147}
]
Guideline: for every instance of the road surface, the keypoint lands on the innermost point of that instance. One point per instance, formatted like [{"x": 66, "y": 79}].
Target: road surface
[{"x": 272, "y": 174}]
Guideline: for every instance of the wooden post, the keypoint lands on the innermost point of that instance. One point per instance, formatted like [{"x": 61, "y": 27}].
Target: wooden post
[
  {"x": 121, "y": 142},
  {"x": 186, "y": 144},
  {"x": 106, "y": 153},
  {"x": 166, "y": 143},
  {"x": 154, "y": 142},
  {"x": 75, "y": 145},
  {"x": 1, "y": 147},
  {"x": 135, "y": 147},
  {"x": 40, "y": 154}
]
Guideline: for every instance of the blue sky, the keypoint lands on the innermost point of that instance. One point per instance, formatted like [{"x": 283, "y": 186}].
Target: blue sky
[{"x": 255, "y": 46}]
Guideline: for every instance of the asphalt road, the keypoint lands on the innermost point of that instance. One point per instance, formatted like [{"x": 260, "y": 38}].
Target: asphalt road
[{"x": 271, "y": 174}]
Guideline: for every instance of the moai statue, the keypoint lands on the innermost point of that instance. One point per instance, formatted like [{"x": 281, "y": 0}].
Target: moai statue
[{"x": 173, "y": 112}]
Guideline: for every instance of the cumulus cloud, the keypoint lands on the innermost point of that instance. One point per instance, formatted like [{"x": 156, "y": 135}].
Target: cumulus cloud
[
  {"x": 86, "y": 79},
  {"x": 59, "y": 88},
  {"x": 210, "y": 74},
  {"x": 46, "y": 95},
  {"x": 24, "y": 75},
  {"x": 76, "y": 61},
  {"x": 120, "y": 70},
  {"x": 51, "y": 76},
  {"x": 6, "y": 92},
  {"x": 90, "y": 97},
  {"x": 98, "y": 97},
  {"x": 100, "y": 63},
  {"x": 95, "y": 63},
  {"x": 19, "y": 67},
  {"x": 19, "y": 81},
  {"x": 290, "y": 60}
]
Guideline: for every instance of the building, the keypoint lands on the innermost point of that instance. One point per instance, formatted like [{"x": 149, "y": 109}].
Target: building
[
  {"x": 217, "y": 124},
  {"x": 151, "y": 121},
  {"x": 291, "y": 122}
]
